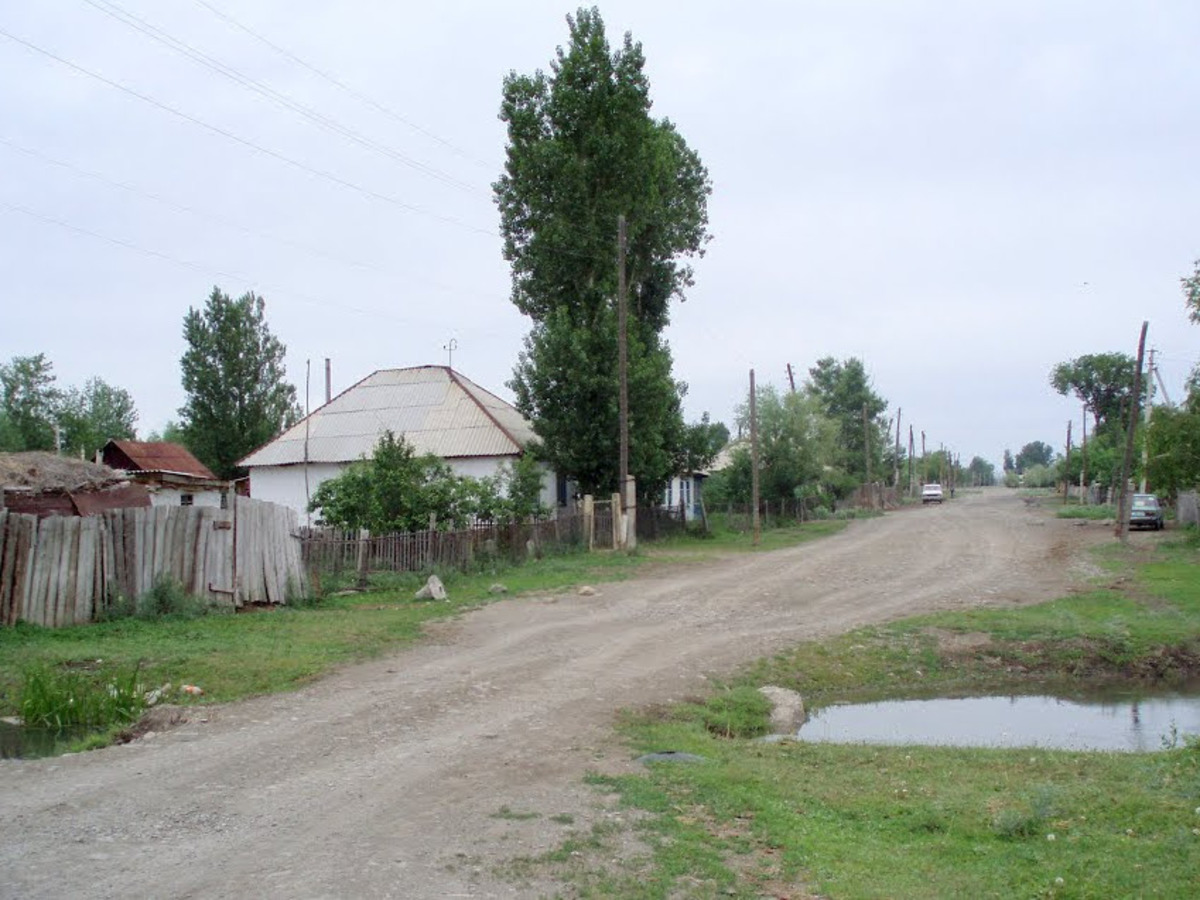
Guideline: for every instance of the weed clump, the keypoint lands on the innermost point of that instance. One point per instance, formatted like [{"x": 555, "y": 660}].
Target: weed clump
[
  {"x": 61, "y": 699},
  {"x": 741, "y": 712},
  {"x": 166, "y": 599}
]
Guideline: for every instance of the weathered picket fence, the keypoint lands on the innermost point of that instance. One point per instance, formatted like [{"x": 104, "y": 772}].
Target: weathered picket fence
[
  {"x": 65, "y": 570},
  {"x": 337, "y": 550}
]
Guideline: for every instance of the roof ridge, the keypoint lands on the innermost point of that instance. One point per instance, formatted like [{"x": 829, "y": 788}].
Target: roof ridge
[{"x": 455, "y": 376}]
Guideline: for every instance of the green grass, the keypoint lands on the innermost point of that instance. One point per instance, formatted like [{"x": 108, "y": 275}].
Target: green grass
[
  {"x": 1095, "y": 512},
  {"x": 280, "y": 649},
  {"x": 846, "y": 821}
]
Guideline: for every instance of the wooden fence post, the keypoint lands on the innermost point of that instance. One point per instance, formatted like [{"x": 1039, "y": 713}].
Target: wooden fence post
[
  {"x": 589, "y": 522},
  {"x": 363, "y": 537}
]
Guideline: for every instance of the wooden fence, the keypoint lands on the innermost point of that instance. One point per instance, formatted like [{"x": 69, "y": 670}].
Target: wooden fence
[
  {"x": 65, "y": 570},
  {"x": 335, "y": 550}
]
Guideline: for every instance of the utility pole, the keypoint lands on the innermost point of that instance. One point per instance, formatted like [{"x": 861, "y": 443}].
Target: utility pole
[
  {"x": 1067, "y": 466},
  {"x": 754, "y": 524},
  {"x": 924, "y": 464},
  {"x": 912, "y": 451},
  {"x": 1149, "y": 409},
  {"x": 1083, "y": 491},
  {"x": 896, "y": 457},
  {"x": 623, "y": 367},
  {"x": 791, "y": 378},
  {"x": 866, "y": 444},
  {"x": 1122, "y": 529}
]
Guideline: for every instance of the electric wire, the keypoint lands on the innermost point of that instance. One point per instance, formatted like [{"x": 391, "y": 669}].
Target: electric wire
[
  {"x": 190, "y": 210},
  {"x": 204, "y": 269},
  {"x": 362, "y": 98},
  {"x": 279, "y": 98},
  {"x": 274, "y": 154}
]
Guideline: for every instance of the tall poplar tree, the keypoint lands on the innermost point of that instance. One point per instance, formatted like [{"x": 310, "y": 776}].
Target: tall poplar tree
[
  {"x": 582, "y": 150},
  {"x": 233, "y": 375}
]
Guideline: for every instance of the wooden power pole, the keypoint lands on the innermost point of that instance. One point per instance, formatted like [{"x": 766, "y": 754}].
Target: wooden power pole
[
  {"x": 866, "y": 444},
  {"x": 754, "y": 523},
  {"x": 896, "y": 457},
  {"x": 623, "y": 366},
  {"x": 1122, "y": 530},
  {"x": 1067, "y": 466}
]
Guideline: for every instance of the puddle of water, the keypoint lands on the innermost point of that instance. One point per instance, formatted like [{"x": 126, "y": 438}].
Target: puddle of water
[
  {"x": 1049, "y": 722},
  {"x": 19, "y": 742}
]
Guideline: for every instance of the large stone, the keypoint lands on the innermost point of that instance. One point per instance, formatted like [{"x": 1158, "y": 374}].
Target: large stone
[
  {"x": 433, "y": 590},
  {"x": 787, "y": 709}
]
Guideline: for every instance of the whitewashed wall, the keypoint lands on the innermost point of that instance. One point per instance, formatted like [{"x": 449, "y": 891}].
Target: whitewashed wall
[
  {"x": 170, "y": 496},
  {"x": 285, "y": 484}
]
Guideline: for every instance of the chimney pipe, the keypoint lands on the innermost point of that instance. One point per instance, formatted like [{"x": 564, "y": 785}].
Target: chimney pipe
[{"x": 328, "y": 382}]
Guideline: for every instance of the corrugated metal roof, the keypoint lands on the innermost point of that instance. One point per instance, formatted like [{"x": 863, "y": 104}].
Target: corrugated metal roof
[
  {"x": 161, "y": 456},
  {"x": 436, "y": 409}
]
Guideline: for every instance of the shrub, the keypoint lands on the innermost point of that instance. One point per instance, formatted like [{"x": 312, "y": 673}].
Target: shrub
[{"x": 167, "y": 598}]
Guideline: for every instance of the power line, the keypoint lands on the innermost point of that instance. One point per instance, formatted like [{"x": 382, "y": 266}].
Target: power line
[
  {"x": 320, "y": 173},
  {"x": 222, "y": 220},
  {"x": 196, "y": 267},
  {"x": 362, "y": 98},
  {"x": 180, "y": 207},
  {"x": 279, "y": 98}
]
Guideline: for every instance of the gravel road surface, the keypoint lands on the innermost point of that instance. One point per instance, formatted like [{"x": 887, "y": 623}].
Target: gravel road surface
[{"x": 407, "y": 777}]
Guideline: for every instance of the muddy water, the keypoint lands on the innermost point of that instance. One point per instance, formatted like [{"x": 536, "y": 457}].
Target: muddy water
[
  {"x": 1126, "y": 724},
  {"x": 18, "y": 742}
]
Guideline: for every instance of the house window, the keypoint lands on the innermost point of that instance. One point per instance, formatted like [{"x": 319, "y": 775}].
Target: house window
[
  {"x": 224, "y": 499},
  {"x": 685, "y": 491},
  {"x": 185, "y": 499}
]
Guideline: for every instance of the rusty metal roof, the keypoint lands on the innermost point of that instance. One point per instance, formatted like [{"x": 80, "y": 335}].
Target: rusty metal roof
[
  {"x": 156, "y": 456},
  {"x": 436, "y": 409}
]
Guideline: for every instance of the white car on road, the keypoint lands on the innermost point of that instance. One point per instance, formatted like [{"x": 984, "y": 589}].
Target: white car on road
[{"x": 931, "y": 493}]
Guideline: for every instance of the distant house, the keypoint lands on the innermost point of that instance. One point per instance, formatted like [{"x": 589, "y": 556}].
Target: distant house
[
  {"x": 684, "y": 492},
  {"x": 436, "y": 409},
  {"x": 168, "y": 471}
]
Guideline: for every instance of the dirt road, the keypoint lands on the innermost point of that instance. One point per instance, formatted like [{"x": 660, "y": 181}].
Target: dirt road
[{"x": 404, "y": 777}]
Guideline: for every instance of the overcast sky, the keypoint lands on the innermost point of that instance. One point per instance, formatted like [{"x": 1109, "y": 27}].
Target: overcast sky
[{"x": 960, "y": 194}]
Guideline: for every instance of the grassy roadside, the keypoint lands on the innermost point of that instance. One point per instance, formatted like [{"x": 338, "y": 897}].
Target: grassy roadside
[
  {"x": 235, "y": 656},
  {"x": 803, "y": 820}
]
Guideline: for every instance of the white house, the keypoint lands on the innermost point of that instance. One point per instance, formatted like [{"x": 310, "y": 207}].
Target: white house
[{"x": 435, "y": 408}]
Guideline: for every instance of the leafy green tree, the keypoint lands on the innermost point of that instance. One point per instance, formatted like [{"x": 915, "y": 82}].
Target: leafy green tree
[
  {"x": 29, "y": 401},
  {"x": 981, "y": 472},
  {"x": 233, "y": 375},
  {"x": 582, "y": 150},
  {"x": 1191, "y": 293},
  {"x": 843, "y": 389},
  {"x": 91, "y": 416},
  {"x": 1035, "y": 453},
  {"x": 397, "y": 490},
  {"x": 702, "y": 441},
  {"x": 1010, "y": 464},
  {"x": 514, "y": 494},
  {"x": 1173, "y": 445},
  {"x": 1103, "y": 381},
  {"x": 1040, "y": 476},
  {"x": 796, "y": 444},
  {"x": 172, "y": 433}
]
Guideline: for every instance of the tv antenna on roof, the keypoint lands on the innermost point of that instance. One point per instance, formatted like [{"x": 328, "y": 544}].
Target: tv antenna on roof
[{"x": 450, "y": 348}]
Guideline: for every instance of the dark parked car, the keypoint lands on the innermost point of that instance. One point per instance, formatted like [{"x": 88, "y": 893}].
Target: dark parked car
[{"x": 1145, "y": 512}]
